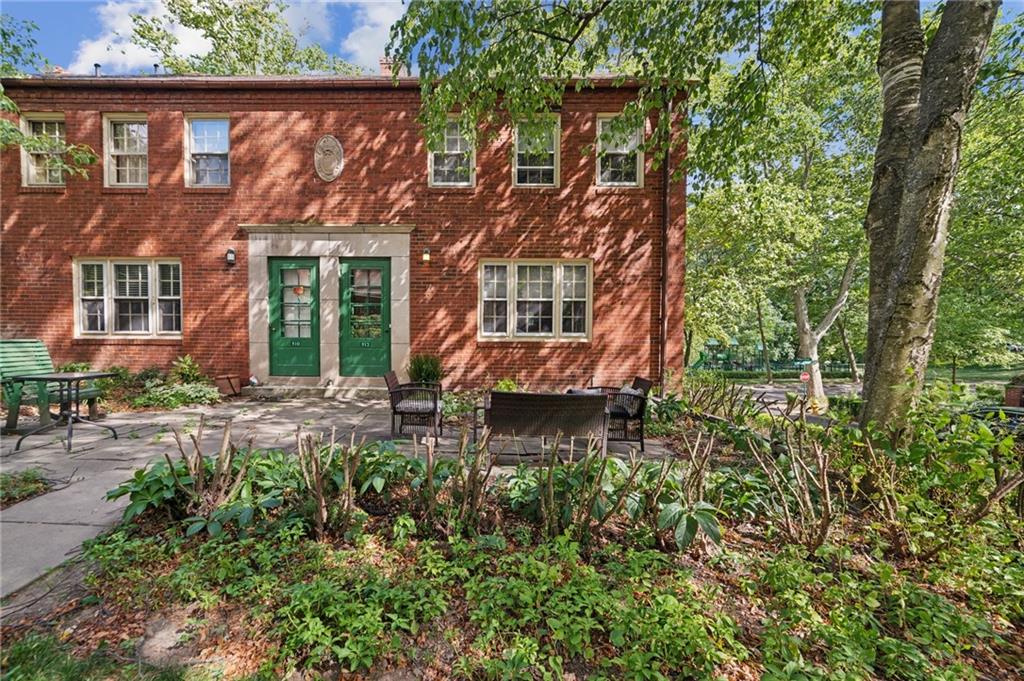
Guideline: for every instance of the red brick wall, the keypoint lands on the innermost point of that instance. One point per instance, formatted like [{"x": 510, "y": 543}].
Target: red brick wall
[{"x": 384, "y": 181}]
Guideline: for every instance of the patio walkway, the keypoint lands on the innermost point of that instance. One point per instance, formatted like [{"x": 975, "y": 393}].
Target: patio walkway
[{"x": 39, "y": 534}]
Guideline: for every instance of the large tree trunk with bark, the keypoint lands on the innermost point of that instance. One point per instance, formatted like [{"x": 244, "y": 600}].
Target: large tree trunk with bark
[{"x": 926, "y": 96}]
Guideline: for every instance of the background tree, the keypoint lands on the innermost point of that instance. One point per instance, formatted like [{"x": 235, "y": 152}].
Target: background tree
[
  {"x": 246, "y": 37},
  {"x": 18, "y": 57}
]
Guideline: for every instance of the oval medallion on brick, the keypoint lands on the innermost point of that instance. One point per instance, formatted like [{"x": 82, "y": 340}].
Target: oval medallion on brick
[{"x": 328, "y": 158}]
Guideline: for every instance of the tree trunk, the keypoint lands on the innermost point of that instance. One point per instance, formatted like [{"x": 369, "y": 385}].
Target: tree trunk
[
  {"x": 908, "y": 245},
  {"x": 687, "y": 347},
  {"x": 810, "y": 337},
  {"x": 850, "y": 357},
  {"x": 954, "y": 369},
  {"x": 764, "y": 345},
  {"x": 901, "y": 54},
  {"x": 817, "y": 400}
]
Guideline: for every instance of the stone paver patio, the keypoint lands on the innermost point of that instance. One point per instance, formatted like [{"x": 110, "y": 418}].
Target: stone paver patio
[{"x": 39, "y": 534}]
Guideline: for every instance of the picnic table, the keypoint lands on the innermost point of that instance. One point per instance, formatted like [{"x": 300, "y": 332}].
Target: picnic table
[{"x": 68, "y": 391}]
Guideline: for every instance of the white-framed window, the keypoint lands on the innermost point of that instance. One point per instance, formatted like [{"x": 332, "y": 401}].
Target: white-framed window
[
  {"x": 537, "y": 155},
  {"x": 535, "y": 299},
  {"x": 127, "y": 297},
  {"x": 126, "y": 150},
  {"x": 620, "y": 161},
  {"x": 454, "y": 164},
  {"x": 37, "y": 167},
  {"x": 207, "y": 151}
]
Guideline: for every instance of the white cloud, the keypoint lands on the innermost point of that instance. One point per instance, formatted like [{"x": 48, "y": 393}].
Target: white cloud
[
  {"x": 113, "y": 48},
  {"x": 372, "y": 20},
  {"x": 309, "y": 19}
]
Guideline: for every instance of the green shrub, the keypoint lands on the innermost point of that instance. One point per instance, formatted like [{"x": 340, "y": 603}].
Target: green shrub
[
  {"x": 75, "y": 366},
  {"x": 186, "y": 370},
  {"x": 425, "y": 368},
  {"x": 174, "y": 395},
  {"x": 458, "y": 402},
  {"x": 506, "y": 385},
  {"x": 148, "y": 375}
]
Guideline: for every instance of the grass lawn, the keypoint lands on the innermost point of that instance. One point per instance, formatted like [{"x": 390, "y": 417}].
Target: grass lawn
[{"x": 975, "y": 374}]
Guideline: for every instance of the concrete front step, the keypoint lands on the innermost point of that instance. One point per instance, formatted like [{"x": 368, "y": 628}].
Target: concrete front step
[{"x": 341, "y": 389}]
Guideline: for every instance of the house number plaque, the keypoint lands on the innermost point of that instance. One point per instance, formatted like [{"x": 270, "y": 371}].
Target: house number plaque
[{"x": 328, "y": 158}]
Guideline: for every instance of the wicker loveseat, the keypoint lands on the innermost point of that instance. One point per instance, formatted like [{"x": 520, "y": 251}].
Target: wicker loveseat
[{"x": 544, "y": 415}]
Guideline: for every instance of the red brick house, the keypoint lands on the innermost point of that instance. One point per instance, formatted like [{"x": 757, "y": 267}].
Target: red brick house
[{"x": 296, "y": 229}]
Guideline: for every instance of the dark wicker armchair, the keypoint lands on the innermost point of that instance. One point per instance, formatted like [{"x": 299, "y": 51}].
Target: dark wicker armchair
[
  {"x": 627, "y": 411},
  {"x": 414, "y": 404}
]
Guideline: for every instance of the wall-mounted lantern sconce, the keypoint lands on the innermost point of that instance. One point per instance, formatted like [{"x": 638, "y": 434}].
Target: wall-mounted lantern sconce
[
  {"x": 426, "y": 255},
  {"x": 229, "y": 257}
]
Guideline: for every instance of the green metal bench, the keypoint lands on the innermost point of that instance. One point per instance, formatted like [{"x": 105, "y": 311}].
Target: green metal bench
[{"x": 30, "y": 356}]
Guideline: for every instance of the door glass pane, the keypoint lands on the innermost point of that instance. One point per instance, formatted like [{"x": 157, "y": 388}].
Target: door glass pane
[
  {"x": 366, "y": 302},
  {"x": 296, "y": 302}
]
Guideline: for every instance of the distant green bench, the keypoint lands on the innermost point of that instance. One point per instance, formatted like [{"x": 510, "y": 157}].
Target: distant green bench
[{"x": 22, "y": 357}]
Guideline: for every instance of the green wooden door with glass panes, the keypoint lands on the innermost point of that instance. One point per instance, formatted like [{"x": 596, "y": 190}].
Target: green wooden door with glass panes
[
  {"x": 294, "y": 317},
  {"x": 365, "y": 317}
]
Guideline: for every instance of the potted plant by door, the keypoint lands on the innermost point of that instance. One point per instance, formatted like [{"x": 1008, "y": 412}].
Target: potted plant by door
[{"x": 1015, "y": 391}]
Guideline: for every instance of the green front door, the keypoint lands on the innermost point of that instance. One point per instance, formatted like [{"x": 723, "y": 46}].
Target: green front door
[
  {"x": 294, "y": 317},
  {"x": 365, "y": 316}
]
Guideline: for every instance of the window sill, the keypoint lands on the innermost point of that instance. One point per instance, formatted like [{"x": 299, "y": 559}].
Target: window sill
[
  {"x": 458, "y": 188},
  {"x": 616, "y": 188},
  {"x": 42, "y": 189},
  {"x": 207, "y": 190},
  {"x": 128, "y": 340},
  {"x": 526, "y": 341},
  {"x": 124, "y": 190},
  {"x": 535, "y": 187}
]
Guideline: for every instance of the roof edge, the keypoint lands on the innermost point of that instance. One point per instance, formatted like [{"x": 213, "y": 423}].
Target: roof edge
[{"x": 255, "y": 82}]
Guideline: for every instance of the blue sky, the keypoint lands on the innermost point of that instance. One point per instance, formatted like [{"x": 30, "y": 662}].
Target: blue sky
[{"x": 77, "y": 34}]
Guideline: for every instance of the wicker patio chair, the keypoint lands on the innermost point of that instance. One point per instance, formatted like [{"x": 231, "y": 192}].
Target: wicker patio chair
[
  {"x": 545, "y": 415},
  {"x": 414, "y": 404},
  {"x": 626, "y": 410}
]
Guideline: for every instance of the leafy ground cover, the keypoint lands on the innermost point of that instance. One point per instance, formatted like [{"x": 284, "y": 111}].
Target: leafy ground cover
[
  {"x": 15, "y": 487},
  {"x": 182, "y": 384},
  {"x": 760, "y": 552}
]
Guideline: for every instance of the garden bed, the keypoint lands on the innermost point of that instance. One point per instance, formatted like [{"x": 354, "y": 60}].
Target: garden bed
[{"x": 365, "y": 561}]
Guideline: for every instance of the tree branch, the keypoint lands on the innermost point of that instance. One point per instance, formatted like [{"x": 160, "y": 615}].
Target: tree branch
[{"x": 841, "y": 297}]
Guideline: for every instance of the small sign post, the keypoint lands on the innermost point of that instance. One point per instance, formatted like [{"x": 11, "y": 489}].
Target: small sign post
[{"x": 804, "y": 376}]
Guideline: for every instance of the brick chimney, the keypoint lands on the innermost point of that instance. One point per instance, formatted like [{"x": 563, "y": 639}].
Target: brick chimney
[{"x": 387, "y": 68}]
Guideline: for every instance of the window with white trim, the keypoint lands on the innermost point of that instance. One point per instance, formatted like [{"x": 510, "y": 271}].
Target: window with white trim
[
  {"x": 619, "y": 159},
  {"x": 536, "y": 162},
  {"x": 131, "y": 297},
  {"x": 40, "y": 168},
  {"x": 126, "y": 143},
  {"x": 535, "y": 299},
  {"x": 453, "y": 164},
  {"x": 208, "y": 152}
]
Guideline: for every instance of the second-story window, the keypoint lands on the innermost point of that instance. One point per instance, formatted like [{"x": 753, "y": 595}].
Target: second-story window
[
  {"x": 39, "y": 166},
  {"x": 537, "y": 156},
  {"x": 454, "y": 164},
  {"x": 207, "y": 154},
  {"x": 619, "y": 160},
  {"x": 127, "y": 147}
]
